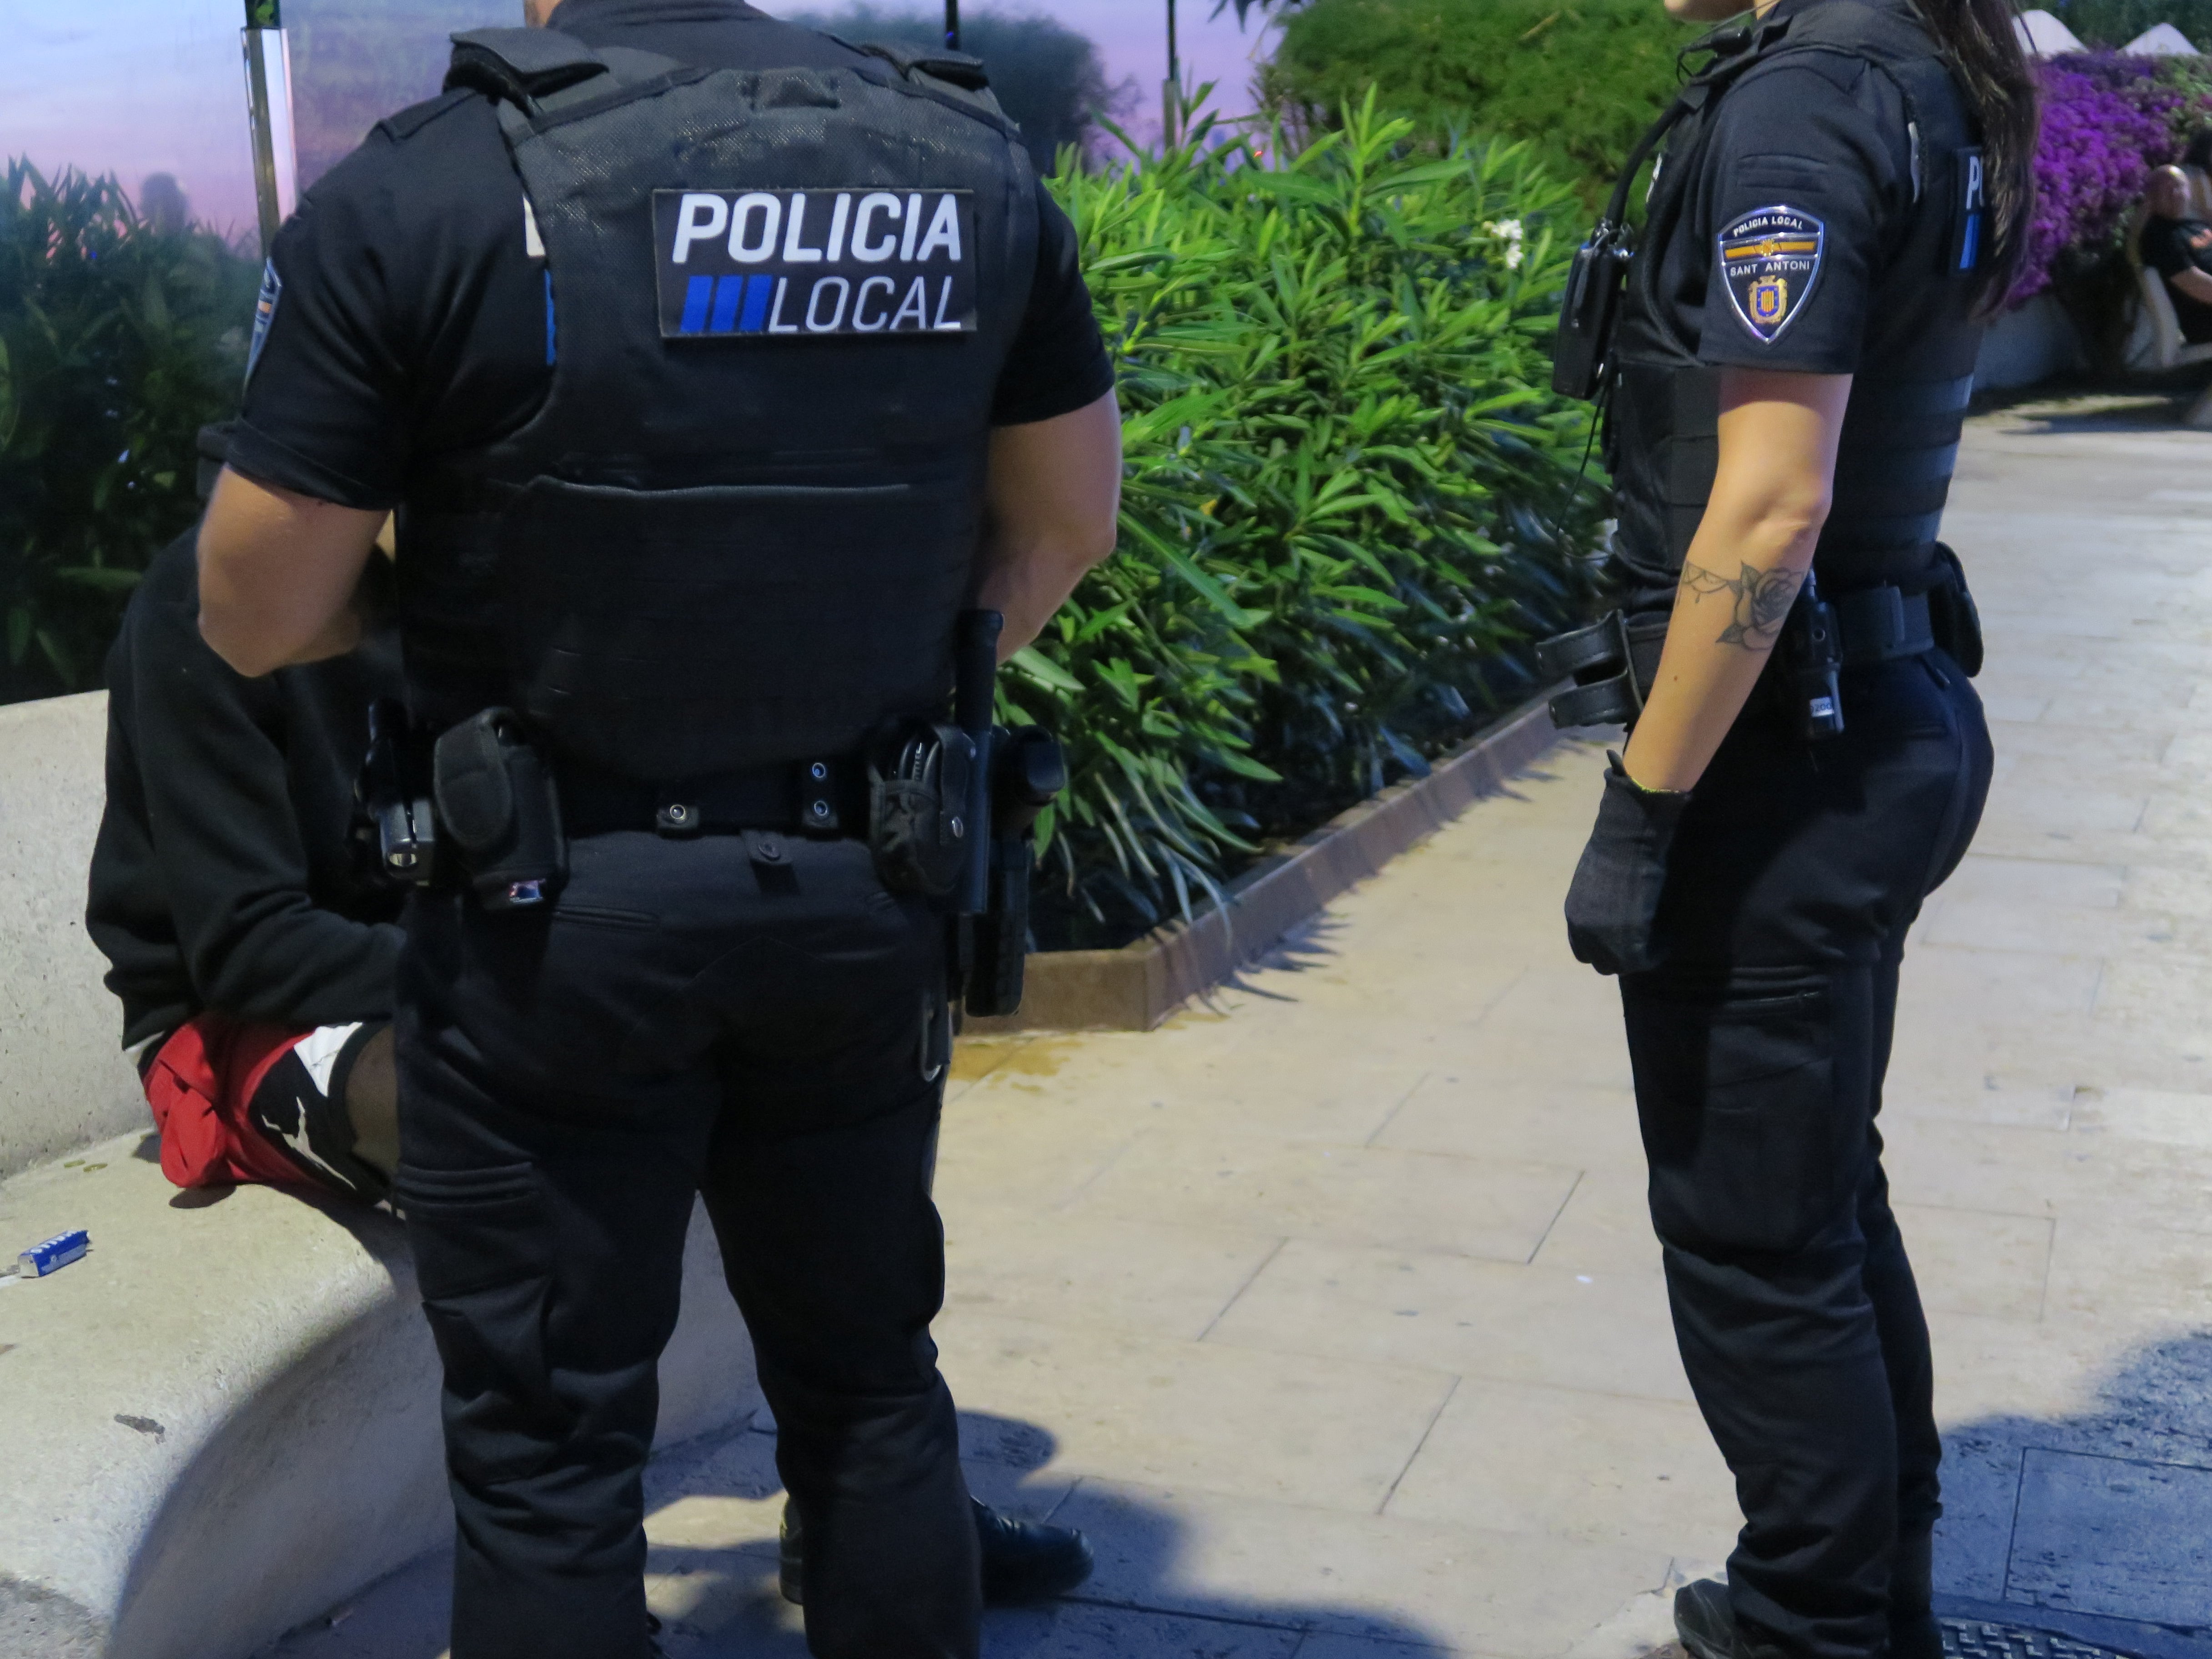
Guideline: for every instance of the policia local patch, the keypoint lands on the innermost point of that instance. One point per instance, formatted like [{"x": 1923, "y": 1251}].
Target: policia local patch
[
  {"x": 778, "y": 264},
  {"x": 1769, "y": 259}
]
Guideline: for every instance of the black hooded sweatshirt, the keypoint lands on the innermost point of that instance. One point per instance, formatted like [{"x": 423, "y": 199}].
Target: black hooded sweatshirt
[{"x": 224, "y": 878}]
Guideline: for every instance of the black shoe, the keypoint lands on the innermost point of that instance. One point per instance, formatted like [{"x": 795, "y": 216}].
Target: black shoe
[
  {"x": 1022, "y": 1560},
  {"x": 1706, "y": 1622},
  {"x": 1027, "y": 1561}
]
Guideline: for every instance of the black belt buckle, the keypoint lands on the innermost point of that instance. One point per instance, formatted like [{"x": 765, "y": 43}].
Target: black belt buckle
[{"x": 1599, "y": 661}]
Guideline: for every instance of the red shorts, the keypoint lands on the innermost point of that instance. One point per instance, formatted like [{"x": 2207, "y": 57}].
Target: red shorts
[{"x": 202, "y": 1086}]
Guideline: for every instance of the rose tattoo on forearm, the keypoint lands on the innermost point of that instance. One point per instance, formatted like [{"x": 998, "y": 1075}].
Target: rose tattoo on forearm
[{"x": 1763, "y": 599}]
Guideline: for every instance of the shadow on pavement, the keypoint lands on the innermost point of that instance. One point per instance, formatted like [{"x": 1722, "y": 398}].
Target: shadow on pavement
[
  {"x": 1138, "y": 1606},
  {"x": 2103, "y": 1514},
  {"x": 715, "y": 1505}
]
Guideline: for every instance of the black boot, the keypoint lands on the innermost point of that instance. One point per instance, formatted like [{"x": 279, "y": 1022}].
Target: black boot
[
  {"x": 1022, "y": 1560},
  {"x": 1027, "y": 1561},
  {"x": 1913, "y": 1631},
  {"x": 1705, "y": 1620}
]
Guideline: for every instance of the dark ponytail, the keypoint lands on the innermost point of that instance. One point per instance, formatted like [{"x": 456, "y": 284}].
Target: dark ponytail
[{"x": 1978, "y": 39}]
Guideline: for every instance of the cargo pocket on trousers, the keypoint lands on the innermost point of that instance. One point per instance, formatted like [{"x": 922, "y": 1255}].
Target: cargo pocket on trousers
[
  {"x": 483, "y": 1248},
  {"x": 1747, "y": 1143}
]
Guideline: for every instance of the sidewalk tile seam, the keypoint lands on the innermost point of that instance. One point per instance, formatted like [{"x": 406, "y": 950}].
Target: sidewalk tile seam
[
  {"x": 1450, "y": 1393},
  {"x": 1552, "y": 1226},
  {"x": 1500, "y": 1380},
  {"x": 1391, "y": 1117},
  {"x": 1237, "y": 1295}
]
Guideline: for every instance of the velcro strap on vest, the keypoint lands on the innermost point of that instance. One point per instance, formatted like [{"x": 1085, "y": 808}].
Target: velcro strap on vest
[
  {"x": 520, "y": 66},
  {"x": 956, "y": 68}
]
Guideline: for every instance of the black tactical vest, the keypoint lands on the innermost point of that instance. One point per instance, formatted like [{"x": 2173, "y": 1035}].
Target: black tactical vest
[
  {"x": 777, "y": 305},
  {"x": 1900, "y": 438}
]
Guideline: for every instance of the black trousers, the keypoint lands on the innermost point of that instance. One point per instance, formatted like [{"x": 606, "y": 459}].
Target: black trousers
[
  {"x": 680, "y": 1023},
  {"x": 1759, "y": 1049}
]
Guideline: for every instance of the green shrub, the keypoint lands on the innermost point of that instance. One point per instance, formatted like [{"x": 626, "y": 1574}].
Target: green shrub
[
  {"x": 1351, "y": 501},
  {"x": 1578, "y": 81},
  {"x": 118, "y": 342}
]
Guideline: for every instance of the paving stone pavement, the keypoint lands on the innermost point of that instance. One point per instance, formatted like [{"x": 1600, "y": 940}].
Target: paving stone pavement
[{"x": 1331, "y": 1311}]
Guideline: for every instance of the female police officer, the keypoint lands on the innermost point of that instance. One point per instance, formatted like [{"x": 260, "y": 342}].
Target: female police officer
[{"x": 1845, "y": 193}]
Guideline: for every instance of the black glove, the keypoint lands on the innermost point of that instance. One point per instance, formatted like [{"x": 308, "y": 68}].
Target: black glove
[{"x": 1615, "y": 901}]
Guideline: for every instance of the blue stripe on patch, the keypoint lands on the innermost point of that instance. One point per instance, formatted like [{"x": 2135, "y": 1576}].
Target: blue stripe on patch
[
  {"x": 551, "y": 337},
  {"x": 757, "y": 303},
  {"x": 728, "y": 291},
  {"x": 1971, "y": 256},
  {"x": 696, "y": 293}
]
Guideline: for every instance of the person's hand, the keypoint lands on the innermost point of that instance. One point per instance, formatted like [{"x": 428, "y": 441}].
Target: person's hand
[{"x": 1613, "y": 906}]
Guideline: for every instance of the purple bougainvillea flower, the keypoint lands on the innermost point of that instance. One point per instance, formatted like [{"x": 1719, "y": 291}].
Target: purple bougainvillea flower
[{"x": 2107, "y": 121}]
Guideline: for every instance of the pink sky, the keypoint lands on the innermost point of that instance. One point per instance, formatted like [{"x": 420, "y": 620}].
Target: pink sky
[{"x": 136, "y": 87}]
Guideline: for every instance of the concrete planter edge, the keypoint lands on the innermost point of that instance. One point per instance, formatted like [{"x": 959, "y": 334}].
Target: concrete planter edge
[{"x": 1139, "y": 986}]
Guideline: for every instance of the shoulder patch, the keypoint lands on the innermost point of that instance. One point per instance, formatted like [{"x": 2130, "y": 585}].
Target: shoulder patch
[
  {"x": 1770, "y": 260},
  {"x": 265, "y": 313}
]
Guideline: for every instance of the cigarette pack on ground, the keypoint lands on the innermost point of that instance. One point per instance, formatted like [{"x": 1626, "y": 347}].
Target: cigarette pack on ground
[{"x": 53, "y": 1256}]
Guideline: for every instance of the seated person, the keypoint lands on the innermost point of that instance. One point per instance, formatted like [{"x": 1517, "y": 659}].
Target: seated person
[
  {"x": 253, "y": 956},
  {"x": 2178, "y": 247},
  {"x": 2196, "y": 167}
]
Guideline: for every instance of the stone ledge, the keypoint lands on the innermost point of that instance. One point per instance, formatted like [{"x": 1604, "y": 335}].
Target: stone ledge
[
  {"x": 224, "y": 1421},
  {"x": 1134, "y": 988}
]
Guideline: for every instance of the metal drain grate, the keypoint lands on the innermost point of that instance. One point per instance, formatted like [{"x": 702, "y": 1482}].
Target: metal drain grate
[{"x": 1968, "y": 1639}]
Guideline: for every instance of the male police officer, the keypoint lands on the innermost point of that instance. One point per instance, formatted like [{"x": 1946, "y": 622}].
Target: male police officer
[{"x": 714, "y": 367}]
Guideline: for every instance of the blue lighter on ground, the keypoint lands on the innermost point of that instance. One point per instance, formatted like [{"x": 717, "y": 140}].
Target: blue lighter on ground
[{"x": 54, "y": 1254}]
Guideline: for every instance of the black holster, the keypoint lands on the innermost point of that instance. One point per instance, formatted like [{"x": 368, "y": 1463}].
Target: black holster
[
  {"x": 500, "y": 811},
  {"x": 1029, "y": 771},
  {"x": 1612, "y": 663},
  {"x": 1952, "y": 613},
  {"x": 394, "y": 825}
]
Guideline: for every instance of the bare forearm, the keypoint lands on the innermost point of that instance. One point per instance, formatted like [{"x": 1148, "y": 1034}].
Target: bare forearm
[
  {"x": 1778, "y": 435},
  {"x": 1728, "y": 614},
  {"x": 1027, "y": 585},
  {"x": 1054, "y": 501},
  {"x": 280, "y": 574},
  {"x": 2196, "y": 284}
]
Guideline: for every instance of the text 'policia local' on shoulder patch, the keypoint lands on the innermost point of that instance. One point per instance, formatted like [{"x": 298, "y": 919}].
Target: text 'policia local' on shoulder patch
[
  {"x": 1769, "y": 259},
  {"x": 793, "y": 264}
]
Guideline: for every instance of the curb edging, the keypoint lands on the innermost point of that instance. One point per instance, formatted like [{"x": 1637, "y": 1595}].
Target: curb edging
[{"x": 1139, "y": 986}]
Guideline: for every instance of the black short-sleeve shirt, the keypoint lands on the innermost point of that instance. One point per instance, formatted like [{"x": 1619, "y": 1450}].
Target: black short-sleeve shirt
[
  {"x": 2171, "y": 246},
  {"x": 407, "y": 322},
  {"x": 1782, "y": 245}
]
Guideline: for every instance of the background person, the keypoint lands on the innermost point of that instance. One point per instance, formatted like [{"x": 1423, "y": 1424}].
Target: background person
[
  {"x": 705, "y": 535},
  {"x": 254, "y": 960},
  {"x": 2177, "y": 244},
  {"x": 2197, "y": 166},
  {"x": 1793, "y": 365}
]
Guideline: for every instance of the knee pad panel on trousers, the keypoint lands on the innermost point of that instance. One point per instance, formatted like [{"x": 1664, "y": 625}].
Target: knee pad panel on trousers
[
  {"x": 483, "y": 1251},
  {"x": 1750, "y": 1148}
]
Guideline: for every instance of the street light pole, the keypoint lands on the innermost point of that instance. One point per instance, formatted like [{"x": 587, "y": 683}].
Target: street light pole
[
  {"x": 269, "y": 115},
  {"x": 1171, "y": 93},
  {"x": 952, "y": 24}
]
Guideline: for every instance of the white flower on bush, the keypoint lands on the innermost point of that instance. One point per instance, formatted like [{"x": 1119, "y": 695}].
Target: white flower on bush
[{"x": 1508, "y": 232}]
